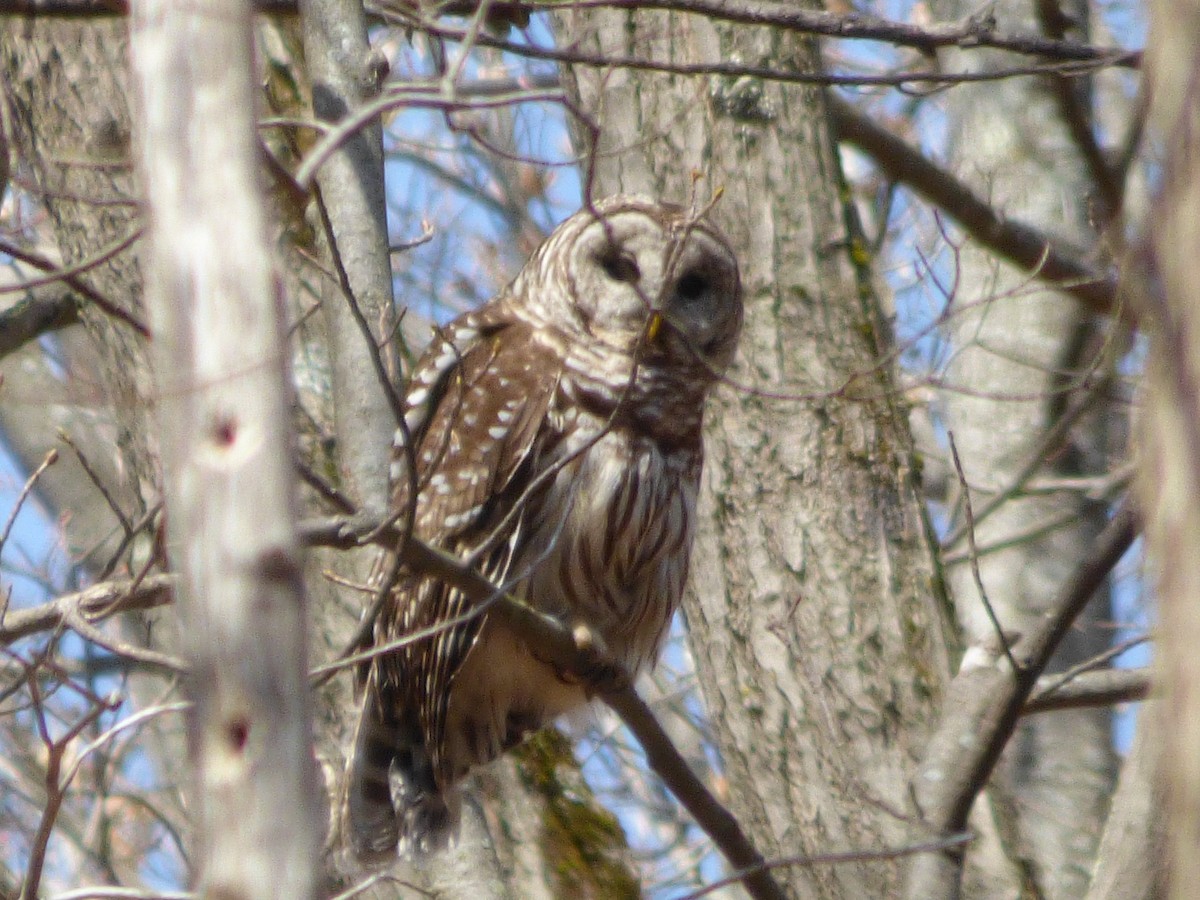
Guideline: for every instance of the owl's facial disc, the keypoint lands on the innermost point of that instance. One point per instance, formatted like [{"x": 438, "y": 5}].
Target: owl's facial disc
[{"x": 629, "y": 266}]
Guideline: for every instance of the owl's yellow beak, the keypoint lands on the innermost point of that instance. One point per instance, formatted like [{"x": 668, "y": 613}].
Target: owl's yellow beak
[{"x": 654, "y": 326}]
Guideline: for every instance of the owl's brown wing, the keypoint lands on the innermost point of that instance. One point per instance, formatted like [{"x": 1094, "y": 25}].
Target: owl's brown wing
[{"x": 486, "y": 387}]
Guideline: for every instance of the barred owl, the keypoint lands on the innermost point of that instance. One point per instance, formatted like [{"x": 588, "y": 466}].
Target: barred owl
[{"x": 556, "y": 438}]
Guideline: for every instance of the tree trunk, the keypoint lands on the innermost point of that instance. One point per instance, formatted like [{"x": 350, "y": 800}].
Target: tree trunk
[
  {"x": 1020, "y": 358},
  {"x": 1169, "y": 471},
  {"x": 227, "y": 451},
  {"x": 816, "y": 619}
]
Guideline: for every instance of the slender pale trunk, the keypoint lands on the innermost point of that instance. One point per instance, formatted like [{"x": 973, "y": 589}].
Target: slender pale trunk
[{"x": 1021, "y": 358}]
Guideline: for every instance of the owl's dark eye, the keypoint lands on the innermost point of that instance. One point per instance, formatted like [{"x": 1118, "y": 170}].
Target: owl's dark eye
[
  {"x": 619, "y": 266},
  {"x": 691, "y": 286}
]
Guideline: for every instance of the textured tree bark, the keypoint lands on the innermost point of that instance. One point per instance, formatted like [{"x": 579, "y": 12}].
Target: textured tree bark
[
  {"x": 344, "y": 74},
  {"x": 227, "y": 449},
  {"x": 1021, "y": 357},
  {"x": 1129, "y": 862},
  {"x": 66, "y": 88},
  {"x": 816, "y": 620},
  {"x": 67, "y": 93}
]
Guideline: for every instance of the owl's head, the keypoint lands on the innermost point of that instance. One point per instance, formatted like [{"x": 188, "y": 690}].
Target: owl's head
[{"x": 639, "y": 278}]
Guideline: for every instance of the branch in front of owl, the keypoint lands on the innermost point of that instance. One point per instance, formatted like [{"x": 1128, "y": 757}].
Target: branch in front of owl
[{"x": 571, "y": 654}]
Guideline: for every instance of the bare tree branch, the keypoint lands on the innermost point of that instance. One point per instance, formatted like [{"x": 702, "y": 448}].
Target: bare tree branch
[
  {"x": 1104, "y": 687},
  {"x": 55, "y": 788},
  {"x": 571, "y": 55},
  {"x": 977, "y": 31},
  {"x": 1050, "y": 259},
  {"x": 94, "y": 603},
  {"x": 70, "y": 277},
  {"x": 982, "y": 707},
  {"x": 50, "y": 459},
  {"x": 30, "y": 318}
]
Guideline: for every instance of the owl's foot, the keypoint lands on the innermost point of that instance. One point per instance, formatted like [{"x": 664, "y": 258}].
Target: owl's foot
[{"x": 596, "y": 670}]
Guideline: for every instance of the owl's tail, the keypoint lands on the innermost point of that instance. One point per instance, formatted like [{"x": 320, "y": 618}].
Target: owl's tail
[
  {"x": 369, "y": 819},
  {"x": 392, "y": 803}
]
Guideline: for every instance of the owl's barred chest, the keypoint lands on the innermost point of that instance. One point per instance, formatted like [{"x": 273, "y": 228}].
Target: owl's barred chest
[
  {"x": 611, "y": 542},
  {"x": 607, "y": 546}
]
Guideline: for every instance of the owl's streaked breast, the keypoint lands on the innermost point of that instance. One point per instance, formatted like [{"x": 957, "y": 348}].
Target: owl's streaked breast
[
  {"x": 607, "y": 547},
  {"x": 616, "y": 555}
]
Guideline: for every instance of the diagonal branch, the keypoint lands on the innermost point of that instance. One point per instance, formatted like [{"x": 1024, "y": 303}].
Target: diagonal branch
[
  {"x": 1050, "y": 259},
  {"x": 977, "y": 31},
  {"x": 30, "y": 318},
  {"x": 559, "y": 647},
  {"x": 981, "y": 709}
]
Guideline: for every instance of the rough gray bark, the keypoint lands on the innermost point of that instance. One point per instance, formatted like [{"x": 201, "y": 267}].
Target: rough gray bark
[
  {"x": 66, "y": 93},
  {"x": 68, "y": 120},
  {"x": 1129, "y": 860},
  {"x": 1020, "y": 357},
  {"x": 815, "y": 622},
  {"x": 227, "y": 450},
  {"x": 345, "y": 73}
]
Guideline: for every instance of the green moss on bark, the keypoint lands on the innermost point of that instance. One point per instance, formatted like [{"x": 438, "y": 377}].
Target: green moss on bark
[{"x": 583, "y": 841}]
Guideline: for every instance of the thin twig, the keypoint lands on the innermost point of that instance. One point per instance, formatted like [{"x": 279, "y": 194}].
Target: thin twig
[
  {"x": 1106, "y": 687},
  {"x": 69, "y": 276},
  {"x": 395, "y": 401},
  {"x": 974, "y": 32},
  {"x": 55, "y": 790},
  {"x": 1036, "y": 459},
  {"x": 835, "y": 859},
  {"x": 94, "y": 477},
  {"x": 137, "y": 718},
  {"x": 572, "y": 56},
  {"x": 1052, "y": 259},
  {"x": 51, "y": 459},
  {"x": 974, "y": 553}
]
